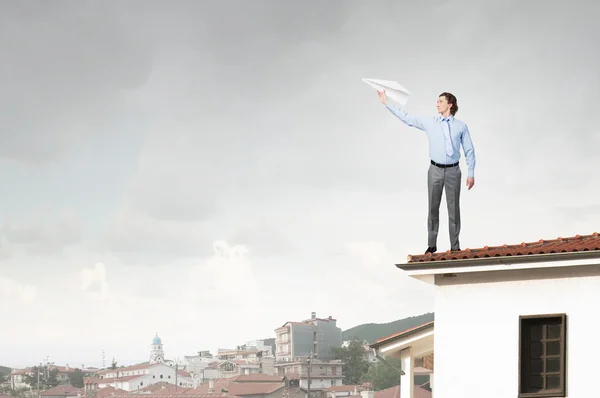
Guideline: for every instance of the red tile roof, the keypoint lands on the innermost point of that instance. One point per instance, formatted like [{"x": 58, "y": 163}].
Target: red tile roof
[
  {"x": 258, "y": 377},
  {"x": 394, "y": 392},
  {"x": 578, "y": 243},
  {"x": 162, "y": 387},
  {"x": 215, "y": 395},
  {"x": 21, "y": 371},
  {"x": 126, "y": 368},
  {"x": 63, "y": 369},
  {"x": 107, "y": 391},
  {"x": 119, "y": 379},
  {"x": 62, "y": 391},
  {"x": 237, "y": 388},
  {"x": 184, "y": 373}
]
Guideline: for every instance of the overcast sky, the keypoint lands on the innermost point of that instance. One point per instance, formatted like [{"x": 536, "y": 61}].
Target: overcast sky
[{"x": 209, "y": 171}]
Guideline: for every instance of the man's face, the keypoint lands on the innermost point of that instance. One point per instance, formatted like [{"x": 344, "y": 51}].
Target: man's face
[{"x": 442, "y": 104}]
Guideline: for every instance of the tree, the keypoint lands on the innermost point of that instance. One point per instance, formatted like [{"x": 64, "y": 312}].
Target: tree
[
  {"x": 382, "y": 375},
  {"x": 113, "y": 365},
  {"x": 48, "y": 378},
  {"x": 4, "y": 374},
  {"x": 76, "y": 378},
  {"x": 52, "y": 380},
  {"x": 31, "y": 378},
  {"x": 355, "y": 363}
]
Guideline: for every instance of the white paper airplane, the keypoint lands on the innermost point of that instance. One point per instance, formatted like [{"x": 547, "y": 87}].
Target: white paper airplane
[{"x": 393, "y": 90}]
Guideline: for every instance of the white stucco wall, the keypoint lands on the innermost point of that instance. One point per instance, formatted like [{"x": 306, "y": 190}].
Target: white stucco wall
[
  {"x": 320, "y": 384},
  {"x": 477, "y": 325}
]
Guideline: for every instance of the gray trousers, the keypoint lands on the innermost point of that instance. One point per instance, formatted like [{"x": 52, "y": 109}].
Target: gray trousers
[{"x": 437, "y": 179}]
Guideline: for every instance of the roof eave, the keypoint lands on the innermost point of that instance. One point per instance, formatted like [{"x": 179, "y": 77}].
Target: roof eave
[
  {"x": 499, "y": 260},
  {"x": 399, "y": 336}
]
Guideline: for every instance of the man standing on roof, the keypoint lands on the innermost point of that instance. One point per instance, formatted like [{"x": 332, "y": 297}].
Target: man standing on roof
[{"x": 446, "y": 134}]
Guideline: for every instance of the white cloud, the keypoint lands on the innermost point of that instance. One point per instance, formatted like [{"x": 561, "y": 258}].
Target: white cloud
[
  {"x": 226, "y": 279},
  {"x": 15, "y": 291}
]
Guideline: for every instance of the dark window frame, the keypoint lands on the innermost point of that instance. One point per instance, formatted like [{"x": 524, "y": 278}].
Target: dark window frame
[{"x": 523, "y": 344}]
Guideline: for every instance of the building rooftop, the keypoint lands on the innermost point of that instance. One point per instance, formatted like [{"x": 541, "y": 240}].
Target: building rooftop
[
  {"x": 403, "y": 333},
  {"x": 62, "y": 391},
  {"x": 578, "y": 243}
]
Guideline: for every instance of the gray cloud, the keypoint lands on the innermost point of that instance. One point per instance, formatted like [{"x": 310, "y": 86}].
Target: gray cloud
[
  {"x": 140, "y": 239},
  {"x": 43, "y": 234},
  {"x": 66, "y": 74},
  {"x": 257, "y": 130}
]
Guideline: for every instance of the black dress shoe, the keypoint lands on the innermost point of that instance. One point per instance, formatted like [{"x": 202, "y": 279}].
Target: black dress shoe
[
  {"x": 455, "y": 250},
  {"x": 431, "y": 250}
]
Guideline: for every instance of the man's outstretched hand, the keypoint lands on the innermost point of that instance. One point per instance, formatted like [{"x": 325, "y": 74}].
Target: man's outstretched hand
[
  {"x": 382, "y": 97},
  {"x": 470, "y": 182}
]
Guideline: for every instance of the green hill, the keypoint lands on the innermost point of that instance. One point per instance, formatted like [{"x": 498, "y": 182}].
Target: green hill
[
  {"x": 271, "y": 342},
  {"x": 372, "y": 332},
  {"x": 4, "y": 373}
]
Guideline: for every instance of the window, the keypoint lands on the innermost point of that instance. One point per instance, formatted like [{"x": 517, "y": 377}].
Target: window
[{"x": 542, "y": 356}]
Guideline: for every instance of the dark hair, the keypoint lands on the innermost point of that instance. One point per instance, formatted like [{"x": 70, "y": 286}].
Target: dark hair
[{"x": 451, "y": 100}]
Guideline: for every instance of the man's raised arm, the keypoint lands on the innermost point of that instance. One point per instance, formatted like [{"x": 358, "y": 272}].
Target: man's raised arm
[{"x": 405, "y": 117}]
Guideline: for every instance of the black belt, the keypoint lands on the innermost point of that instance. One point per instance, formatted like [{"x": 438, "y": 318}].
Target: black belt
[{"x": 444, "y": 166}]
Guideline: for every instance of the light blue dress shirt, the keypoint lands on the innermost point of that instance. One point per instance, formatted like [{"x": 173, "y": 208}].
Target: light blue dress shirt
[{"x": 446, "y": 135}]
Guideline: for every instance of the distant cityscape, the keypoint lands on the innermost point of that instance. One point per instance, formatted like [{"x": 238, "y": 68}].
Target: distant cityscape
[{"x": 299, "y": 361}]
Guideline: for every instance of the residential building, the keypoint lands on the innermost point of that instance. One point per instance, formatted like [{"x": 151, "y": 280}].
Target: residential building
[
  {"x": 528, "y": 307},
  {"x": 136, "y": 377},
  {"x": 17, "y": 378},
  {"x": 252, "y": 358},
  {"x": 323, "y": 374},
  {"x": 202, "y": 366},
  {"x": 239, "y": 353},
  {"x": 314, "y": 336},
  {"x": 238, "y": 367},
  {"x": 265, "y": 350}
]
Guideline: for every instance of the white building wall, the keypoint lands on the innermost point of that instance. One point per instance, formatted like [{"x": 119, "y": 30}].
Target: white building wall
[
  {"x": 320, "y": 384},
  {"x": 477, "y": 331},
  {"x": 17, "y": 381},
  {"x": 121, "y": 373}
]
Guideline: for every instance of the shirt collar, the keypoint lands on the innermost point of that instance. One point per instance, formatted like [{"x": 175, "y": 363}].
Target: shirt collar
[{"x": 449, "y": 118}]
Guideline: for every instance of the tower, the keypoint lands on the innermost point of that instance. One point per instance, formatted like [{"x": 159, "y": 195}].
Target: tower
[{"x": 157, "y": 355}]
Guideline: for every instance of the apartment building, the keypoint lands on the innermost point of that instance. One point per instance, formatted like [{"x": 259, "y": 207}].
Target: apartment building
[{"x": 314, "y": 336}]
